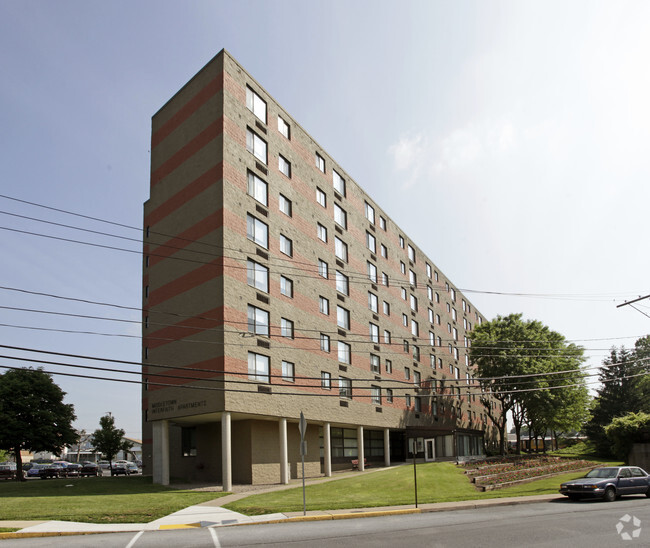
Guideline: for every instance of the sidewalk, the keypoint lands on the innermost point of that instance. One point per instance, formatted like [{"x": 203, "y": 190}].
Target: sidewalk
[{"x": 212, "y": 513}]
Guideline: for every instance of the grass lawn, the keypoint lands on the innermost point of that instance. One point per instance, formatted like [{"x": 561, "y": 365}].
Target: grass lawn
[
  {"x": 96, "y": 500},
  {"x": 437, "y": 482}
]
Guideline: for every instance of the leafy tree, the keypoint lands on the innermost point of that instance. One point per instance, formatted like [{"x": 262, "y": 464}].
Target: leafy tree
[
  {"x": 507, "y": 352},
  {"x": 33, "y": 416},
  {"x": 624, "y": 431},
  {"x": 109, "y": 440}
]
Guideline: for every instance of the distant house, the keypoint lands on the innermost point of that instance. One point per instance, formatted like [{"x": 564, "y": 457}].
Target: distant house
[{"x": 85, "y": 451}]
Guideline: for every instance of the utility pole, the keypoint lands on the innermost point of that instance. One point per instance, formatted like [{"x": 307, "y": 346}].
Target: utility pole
[{"x": 630, "y": 303}]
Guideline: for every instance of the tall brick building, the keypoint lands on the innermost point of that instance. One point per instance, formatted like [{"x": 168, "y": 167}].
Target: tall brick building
[{"x": 273, "y": 284}]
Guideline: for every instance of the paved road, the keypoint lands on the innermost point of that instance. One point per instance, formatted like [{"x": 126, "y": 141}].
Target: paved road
[{"x": 552, "y": 524}]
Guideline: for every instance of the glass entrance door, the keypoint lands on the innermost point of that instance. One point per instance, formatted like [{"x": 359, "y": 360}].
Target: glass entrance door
[{"x": 430, "y": 449}]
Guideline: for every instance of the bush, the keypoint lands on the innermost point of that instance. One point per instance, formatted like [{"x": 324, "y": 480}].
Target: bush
[{"x": 624, "y": 431}]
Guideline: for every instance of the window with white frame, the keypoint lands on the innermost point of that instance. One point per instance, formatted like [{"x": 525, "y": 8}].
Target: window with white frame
[
  {"x": 286, "y": 245},
  {"x": 429, "y": 293},
  {"x": 342, "y": 317},
  {"x": 345, "y": 388},
  {"x": 414, "y": 303},
  {"x": 416, "y": 353},
  {"x": 258, "y": 321},
  {"x": 286, "y": 287},
  {"x": 258, "y": 189},
  {"x": 430, "y": 313},
  {"x": 401, "y": 242},
  {"x": 437, "y": 297},
  {"x": 257, "y": 231},
  {"x": 258, "y": 367},
  {"x": 323, "y": 269},
  {"x": 429, "y": 272},
  {"x": 286, "y": 328},
  {"x": 373, "y": 302},
  {"x": 371, "y": 243},
  {"x": 454, "y": 316},
  {"x": 432, "y": 338},
  {"x": 342, "y": 283},
  {"x": 402, "y": 267},
  {"x": 455, "y": 333},
  {"x": 416, "y": 378},
  {"x": 284, "y": 166},
  {"x": 324, "y": 305},
  {"x": 413, "y": 279},
  {"x": 435, "y": 275},
  {"x": 288, "y": 371},
  {"x": 407, "y": 373},
  {"x": 438, "y": 319},
  {"x": 338, "y": 182},
  {"x": 456, "y": 353},
  {"x": 453, "y": 294},
  {"x": 405, "y": 320},
  {"x": 285, "y": 205},
  {"x": 256, "y": 145},
  {"x": 343, "y": 352},
  {"x": 384, "y": 251},
  {"x": 374, "y": 364},
  {"x": 340, "y": 249},
  {"x": 322, "y": 232},
  {"x": 411, "y": 252},
  {"x": 320, "y": 162},
  {"x": 384, "y": 279},
  {"x": 403, "y": 292},
  {"x": 340, "y": 216},
  {"x": 387, "y": 336},
  {"x": 374, "y": 333},
  {"x": 389, "y": 395},
  {"x": 407, "y": 400},
  {"x": 386, "y": 307},
  {"x": 283, "y": 128},
  {"x": 257, "y": 275},
  {"x": 324, "y": 342},
  {"x": 382, "y": 223},
  {"x": 321, "y": 197},
  {"x": 256, "y": 104},
  {"x": 432, "y": 360},
  {"x": 372, "y": 272},
  {"x": 415, "y": 328},
  {"x": 370, "y": 213},
  {"x": 375, "y": 394},
  {"x": 325, "y": 380}
]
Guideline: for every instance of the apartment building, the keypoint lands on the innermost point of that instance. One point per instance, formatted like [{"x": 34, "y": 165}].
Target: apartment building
[{"x": 274, "y": 285}]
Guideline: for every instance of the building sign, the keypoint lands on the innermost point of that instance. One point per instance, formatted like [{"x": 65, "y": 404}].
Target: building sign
[{"x": 166, "y": 407}]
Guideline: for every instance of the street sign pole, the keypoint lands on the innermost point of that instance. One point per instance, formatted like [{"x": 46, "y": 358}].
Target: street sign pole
[{"x": 302, "y": 426}]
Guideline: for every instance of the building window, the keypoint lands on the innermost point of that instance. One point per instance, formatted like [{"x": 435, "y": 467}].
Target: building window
[
  {"x": 322, "y": 232},
  {"x": 375, "y": 394},
  {"x": 403, "y": 292},
  {"x": 284, "y": 166},
  {"x": 256, "y": 104},
  {"x": 283, "y": 128},
  {"x": 256, "y": 145},
  {"x": 384, "y": 251},
  {"x": 413, "y": 279},
  {"x": 414, "y": 302},
  {"x": 372, "y": 272},
  {"x": 411, "y": 252},
  {"x": 456, "y": 373},
  {"x": 407, "y": 373},
  {"x": 438, "y": 319},
  {"x": 435, "y": 276},
  {"x": 258, "y": 367},
  {"x": 342, "y": 317},
  {"x": 340, "y": 216},
  {"x": 286, "y": 328},
  {"x": 407, "y": 400},
  {"x": 374, "y": 364},
  {"x": 345, "y": 388},
  {"x": 405, "y": 320},
  {"x": 257, "y": 231},
  {"x": 453, "y": 294},
  {"x": 432, "y": 339},
  {"x": 415, "y": 328},
  {"x": 432, "y": 361},
  {"x": 374, "y": 333},
  {"x": 448, "y": 327},
  {"x": 324, "y": 342},
  {"x": 389, "y": 395},
  {"x": 456, "y": 354},
  {"x": 285, "y": 205},
  {"x": 389, "y": 366},
  {"x": 384, "y": 279},
  {"x": 416, "y": 353},
  {"x": 402, "y": 267},
  {"x": 464, "y": 306},
  {"x": 386, "y": 308},
  {"x": 428, "y": 267},
  {"x": 321, "y": 197},
  {"x": 258, "y": 321},
  {"x": 343, "y": 352},
  {"x": 416, "y": 378},
  {"x": 188, "y": 441},
  {"x": 437, "y": 297},
  {"x": 258, "y": 276},
  {"x": 454, "y": 316},
  {"x": 382, "y": 223},
  {"x": 320, "y": 162},
  {"x": 429, "y": 293},
  {"x": 257, "y": 188},
  {"x": 322, "y": 269},
  {"x": 430, "y": 313},
  {"x": 401, "y": 242},
  {"x": 455, "y": 333},
  {"x": 325, "y": 380},
  {"x": 340, "y": 249},
  {"x": 324, "y": 305},
  {"x": 373, "y": 302},
  {"x": 286, "y": 245},
  {"x": 387, "y": 336},
  {"x": 339, "y": 183},
  {"x": 418, "y": 404},
  {"x": 342, "y": 283},
  {"x": 370, "y": 213},
  {"x": 286, "y": 287},
  {"x": 439, "y": 341},
  {"x": 371, "y": 242},
  {"x": 288, "y": 371}
]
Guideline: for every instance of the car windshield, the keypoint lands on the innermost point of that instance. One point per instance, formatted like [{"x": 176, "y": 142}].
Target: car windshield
[{"x": 603, "y": 473}]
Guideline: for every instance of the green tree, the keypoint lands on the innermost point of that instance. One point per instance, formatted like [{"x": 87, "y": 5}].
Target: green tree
[
  {"x": 624, "y": 431},
  {"x": 33, "y": 416},
  {"x": 109, "y": 440},
  {"x": 514, "y": 359}
]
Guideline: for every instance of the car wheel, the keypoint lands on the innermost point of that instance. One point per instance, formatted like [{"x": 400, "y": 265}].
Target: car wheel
[{"x": 610, "y": 494}]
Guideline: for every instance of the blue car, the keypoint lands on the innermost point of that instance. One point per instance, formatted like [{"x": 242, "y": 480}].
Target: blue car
[{"x": 608, "y": 483}]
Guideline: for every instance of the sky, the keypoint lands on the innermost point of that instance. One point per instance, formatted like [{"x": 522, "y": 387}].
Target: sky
[{"x": 509, "y": 140}]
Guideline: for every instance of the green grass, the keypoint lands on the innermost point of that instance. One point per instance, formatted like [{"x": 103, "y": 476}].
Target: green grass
[
  {"x": 94, "y": 500},
  {"x": 437, "y": 482}
]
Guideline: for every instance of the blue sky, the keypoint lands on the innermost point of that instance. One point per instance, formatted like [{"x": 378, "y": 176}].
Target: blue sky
[{"x": 508, "y": 139}]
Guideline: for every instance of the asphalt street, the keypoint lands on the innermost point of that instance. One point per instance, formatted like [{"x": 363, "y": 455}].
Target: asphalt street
[{"x": 557, "y": 523}]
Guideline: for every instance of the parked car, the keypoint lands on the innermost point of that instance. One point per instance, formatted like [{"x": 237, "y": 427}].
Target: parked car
[
  {"x": 53, "y": 470},
  {"x": 89, "y": 468},
  {"x": 35, "y": 470},
  {"x": 124, "y": 468},
  {"x": 72, "y": 469},
  {"x": 8, "y": 470},
  {"x": 104, "y": 464},
  {"x": 608, "y": 483}
]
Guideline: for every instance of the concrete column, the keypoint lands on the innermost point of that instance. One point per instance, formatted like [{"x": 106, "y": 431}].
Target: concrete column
[
  {"x": 226, "y": 452},
  {"x": 161, "y": 452},
  {"x": 327, "y": 450},
  {"x": 284, "y": 453},
  {"x": 360, "y": 444},
  {"x": 386, "y": 447}
]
